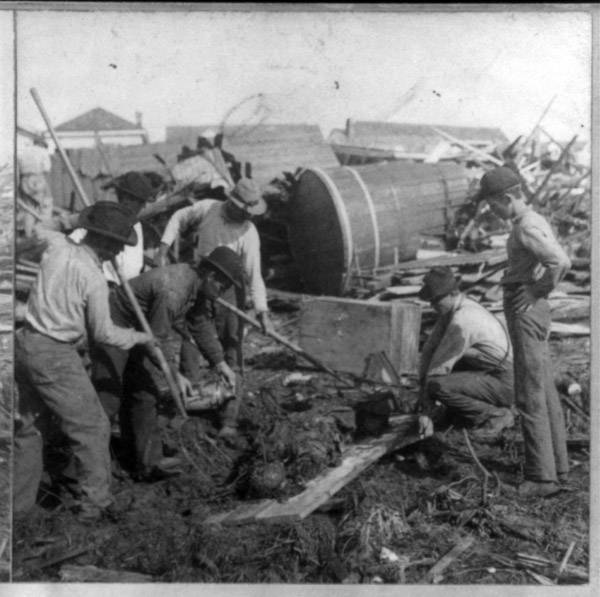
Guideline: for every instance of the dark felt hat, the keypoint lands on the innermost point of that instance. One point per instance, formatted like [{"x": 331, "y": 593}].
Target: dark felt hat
[
  {"x": 497, "y": 181},
  {"x": 246, "y": 195},
  {"x": 133, "y": 183},
  {"x": 437, "y": 283},
  {"x": 227, "y": 262},
  {"x": 109, "y": 219}
]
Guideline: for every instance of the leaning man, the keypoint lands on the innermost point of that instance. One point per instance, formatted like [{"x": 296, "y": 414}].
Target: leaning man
[
  {"x": 70, "y": 297},
  {"x": 466, "y": 363},
  {"x": 536, "y": 264}
]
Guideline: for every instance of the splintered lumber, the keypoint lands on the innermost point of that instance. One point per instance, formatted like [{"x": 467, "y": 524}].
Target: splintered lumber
[
  {"x": 355, "y": 460},
  {"x": 435, "y": 574},
  {"x": 71, "y": 573},
  {"x": 342, "y": 333},
  {"x": 569, "y": 329}
]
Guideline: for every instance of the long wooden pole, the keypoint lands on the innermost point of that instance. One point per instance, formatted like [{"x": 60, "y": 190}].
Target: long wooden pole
[
  {"x": 157, "y": 350},
  {"x": 76, "y": 182},
  {"x": 136, "y": 306},
  {"x": 277, "y": 337},
  {"x": 470, "y": 147}
]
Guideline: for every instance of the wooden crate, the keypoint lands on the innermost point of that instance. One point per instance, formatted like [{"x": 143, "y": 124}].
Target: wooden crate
[{"x": 344, "y": 332}]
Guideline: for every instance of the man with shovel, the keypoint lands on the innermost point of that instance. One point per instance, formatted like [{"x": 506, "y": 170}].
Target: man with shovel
[
  {"x": 68, "y": 300},
  {"x": 178, "y": 302},
  {"x": 217, "y": 223}
]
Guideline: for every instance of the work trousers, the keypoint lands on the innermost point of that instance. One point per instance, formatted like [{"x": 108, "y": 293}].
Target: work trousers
[
  {"x": 474, "y": 395},
  {"x": 50, "y": 374},
  {"x": 536, "y": 396},
  {"x": 108, "y": 366},
  {"x": 140, "y": 431}
]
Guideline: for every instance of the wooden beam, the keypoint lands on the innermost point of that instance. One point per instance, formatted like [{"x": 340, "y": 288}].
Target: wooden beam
[
  {"x": 355, "y": 460},
  {"x": 483, "y": 154},
  {"x": 490, "y": 257}
]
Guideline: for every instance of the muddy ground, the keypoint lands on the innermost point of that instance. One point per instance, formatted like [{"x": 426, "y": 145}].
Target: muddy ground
[{"x": 390, "y": 525}]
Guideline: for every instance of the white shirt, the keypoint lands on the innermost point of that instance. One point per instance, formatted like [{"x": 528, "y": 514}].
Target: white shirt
[
  {"x": 130, "y": 259},
  {"x": 214, "y": 230},
  {"x": 33, "y": 159}
]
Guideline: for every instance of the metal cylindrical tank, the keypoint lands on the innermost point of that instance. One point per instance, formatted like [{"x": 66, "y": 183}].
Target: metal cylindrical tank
[{"x": 346, "y": 219}]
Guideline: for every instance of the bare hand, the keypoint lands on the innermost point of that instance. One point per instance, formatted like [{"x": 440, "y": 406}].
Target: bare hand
[
  {"x": 226, "y": 373},
  {"x": 144, "y": 338},
  {"x": 523, "y": 299},
  {"x": 184, "y": 385},
  {"x": 425, "y": 427},
  {"x": 266, "y": 323}
]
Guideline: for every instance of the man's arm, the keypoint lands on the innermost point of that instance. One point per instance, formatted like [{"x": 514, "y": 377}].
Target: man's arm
[
  {"x": 102, "y": 329},
  {"x": 252, "y": 269},
  {"x": 179, "y": 220},
  {"x": 543, "y": 244}
]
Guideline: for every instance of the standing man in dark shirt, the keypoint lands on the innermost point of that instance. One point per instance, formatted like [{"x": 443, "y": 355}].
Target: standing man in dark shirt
[
  {"x": 536, "y": 264},
  {"x": 176, "y": 299}
]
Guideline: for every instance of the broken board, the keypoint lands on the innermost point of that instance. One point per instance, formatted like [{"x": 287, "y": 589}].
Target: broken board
[
  {"x": 355, "y": 460},
  {"x": 342, "y": 333}
]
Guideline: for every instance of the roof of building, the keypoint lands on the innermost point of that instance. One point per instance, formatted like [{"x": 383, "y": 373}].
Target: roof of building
[
  {"x": 97, "y": 119},
  {"x": 411, "y": 138}
]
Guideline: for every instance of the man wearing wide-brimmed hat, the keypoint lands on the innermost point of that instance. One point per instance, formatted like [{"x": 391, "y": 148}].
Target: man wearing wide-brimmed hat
[
  {"x": 466, "y": 363},
  {"x": 536, "y": 264},
  {"x": 178, "y": 302},
  {"x": 68, "y": 301},
  {"x": 133, "y": 190},
  {"x": 217, "y": 223}
]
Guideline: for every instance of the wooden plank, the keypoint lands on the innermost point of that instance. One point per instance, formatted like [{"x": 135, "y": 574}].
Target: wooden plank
[
  {"x": 355, "y": 460},
  {"x": 243, "y": 514},
  {"x": 72, "y": 573},
  {"x": 491, "y": 257},
  {"x": 342, "y": 333}
]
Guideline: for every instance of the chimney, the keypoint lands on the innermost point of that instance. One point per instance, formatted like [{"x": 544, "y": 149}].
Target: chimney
[
  {"x": 349, "y": 128},
  {"x": 138, "y": 120}
]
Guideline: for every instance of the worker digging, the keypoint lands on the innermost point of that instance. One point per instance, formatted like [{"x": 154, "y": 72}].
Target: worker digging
[{"x": 341, "y": 374}]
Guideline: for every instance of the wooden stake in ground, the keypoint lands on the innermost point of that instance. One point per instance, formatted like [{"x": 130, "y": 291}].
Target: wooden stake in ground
[{"x": 435, "y": 574}]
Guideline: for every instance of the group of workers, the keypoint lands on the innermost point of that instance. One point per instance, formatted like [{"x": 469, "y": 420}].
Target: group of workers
[{"x": 471, "y": 364}]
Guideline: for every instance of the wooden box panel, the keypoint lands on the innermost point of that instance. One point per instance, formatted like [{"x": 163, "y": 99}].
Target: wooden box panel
[{"x": 344, "y": 332}]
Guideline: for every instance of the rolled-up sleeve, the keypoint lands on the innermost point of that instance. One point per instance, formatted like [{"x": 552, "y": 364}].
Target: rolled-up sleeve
[
  {"x": 252, "y": 268},
  {"x": 181, "y": 219},
  {"x": 101, "y": 326}
]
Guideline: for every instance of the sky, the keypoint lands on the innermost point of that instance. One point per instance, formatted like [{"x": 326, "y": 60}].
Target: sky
[{"x": 193, "y": 68}]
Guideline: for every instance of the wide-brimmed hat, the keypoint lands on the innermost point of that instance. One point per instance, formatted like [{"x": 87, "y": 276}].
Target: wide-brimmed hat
[
  {"x": 246, "y": 195},
  {"x": 109, "y": 219},
  {"x": 227, "y": 262},
  {"x": 437, "y": 283},
  {"x": 497, "y": 181},
  {"x": 135, "y": 184}
]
